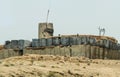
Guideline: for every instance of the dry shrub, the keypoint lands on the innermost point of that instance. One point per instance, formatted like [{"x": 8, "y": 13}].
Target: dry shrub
[
  {"x": 84, "y": 67},
  {"x": 2, "y": 76},
  {"x": 78, "y": 64},
  {"x": 55, "y": 74},
  {"x": 77, "y": 69},
  {"x": 70, "y": 72},
  {"x": 7, "y": 65},
  {"x": 54, "y": 66},
  {"x": 51, "y": 74},
  {"x": 61, "y": 61},
  {"x": 67, "y": 58},
  {"x": 74, "y": 59},
  {"x": 42, "y": 65},
  {"x": 88, "y": 64}
]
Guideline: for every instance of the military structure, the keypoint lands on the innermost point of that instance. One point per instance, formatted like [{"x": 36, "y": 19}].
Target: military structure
[{"x": 91, "y": 46}]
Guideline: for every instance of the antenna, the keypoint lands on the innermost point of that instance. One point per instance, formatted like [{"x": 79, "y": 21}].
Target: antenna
[
  {"x": 101, "y": 31},
  {"x": 48, "y": 12},
  {"x": 47, "y": 16}
]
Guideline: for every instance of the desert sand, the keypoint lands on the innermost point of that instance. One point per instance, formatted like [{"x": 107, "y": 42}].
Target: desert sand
[{"x": 33, "y": 65}]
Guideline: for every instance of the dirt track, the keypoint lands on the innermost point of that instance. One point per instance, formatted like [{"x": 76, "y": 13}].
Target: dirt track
[{"x": 56, "y": 66}]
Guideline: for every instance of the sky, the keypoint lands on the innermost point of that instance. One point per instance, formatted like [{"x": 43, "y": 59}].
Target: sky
[{"x": 19, "y": 18}]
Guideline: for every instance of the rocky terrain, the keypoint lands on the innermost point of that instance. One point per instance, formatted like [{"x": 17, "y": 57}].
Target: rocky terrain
[{"x": 32, "y": 65}]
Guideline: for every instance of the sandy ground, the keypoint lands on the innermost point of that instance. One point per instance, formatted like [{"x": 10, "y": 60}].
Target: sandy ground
[{"x": 56, "y": 66}]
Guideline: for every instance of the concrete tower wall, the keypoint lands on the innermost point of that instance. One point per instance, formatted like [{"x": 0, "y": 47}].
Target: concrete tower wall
[{"x": 45, "y": 30}]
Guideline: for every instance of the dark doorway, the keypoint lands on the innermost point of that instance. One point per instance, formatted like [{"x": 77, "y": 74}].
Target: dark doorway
[{"x": 20, "y": 52}]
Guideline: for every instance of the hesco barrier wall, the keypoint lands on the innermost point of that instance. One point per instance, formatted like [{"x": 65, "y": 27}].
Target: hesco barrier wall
[
  {"x": 92, "y": 52},
  {"x": 6, "y": 53},
  {"x": 101, "y": 41},
  {"x": 93, "y": 47}
]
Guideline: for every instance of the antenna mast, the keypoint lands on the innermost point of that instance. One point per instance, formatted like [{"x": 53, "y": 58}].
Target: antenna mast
[
  {"x": 47, "y": 16},
  {"x": 101, "y": 31},
  {"x": 48, "y": 12}
]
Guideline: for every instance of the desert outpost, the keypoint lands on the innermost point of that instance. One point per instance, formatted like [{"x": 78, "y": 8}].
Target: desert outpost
[{"x": 91, "y": 46}]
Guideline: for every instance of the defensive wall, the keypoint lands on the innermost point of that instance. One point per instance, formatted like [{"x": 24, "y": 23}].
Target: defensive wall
[{"x": 91, "y": 46}]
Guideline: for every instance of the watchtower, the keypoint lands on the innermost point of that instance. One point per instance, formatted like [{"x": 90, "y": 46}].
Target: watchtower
[{"x": 45, "y": 30}]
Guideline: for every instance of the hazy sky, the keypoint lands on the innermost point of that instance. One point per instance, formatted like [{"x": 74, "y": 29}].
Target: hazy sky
[{"x": 19, "y": 18}]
